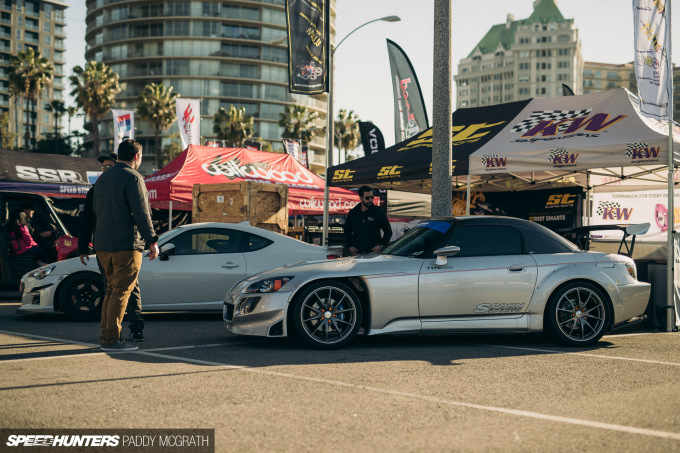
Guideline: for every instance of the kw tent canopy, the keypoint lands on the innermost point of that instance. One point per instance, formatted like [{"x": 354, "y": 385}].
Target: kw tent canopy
[
  {"x": 51, "y": 175},
  {"x": 208, "y": 165}
]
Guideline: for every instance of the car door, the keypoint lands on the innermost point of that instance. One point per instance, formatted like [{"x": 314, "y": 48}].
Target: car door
[
  {"x": 206, "y": 262},
  {"x": 490, "y": 275}
]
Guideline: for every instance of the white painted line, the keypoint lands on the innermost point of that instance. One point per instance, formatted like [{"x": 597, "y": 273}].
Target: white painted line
[
  {"x": 516, "y": 412},
  {"x": 641, "y": 333},
  {"x": 583, "y": 354}
]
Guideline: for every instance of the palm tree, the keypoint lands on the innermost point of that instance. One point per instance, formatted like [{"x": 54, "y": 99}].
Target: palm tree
[
  {"x": 297, "y": 122},
  {"x": 233, "y": 126},
  {"x": 156, "y": 104},
  {"x": 71, "y": 112},
  {"x": 94, "y": 90},
  {"x": 29, "y": 74},
  {"x": 59, "y": 109},
  {"x": 346, "y": 132}
]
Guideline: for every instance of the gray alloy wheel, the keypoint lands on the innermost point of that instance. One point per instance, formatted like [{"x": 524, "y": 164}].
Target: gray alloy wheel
[
  {"x": 577, "y": 314},
  {"x": 327, "y": 315}
]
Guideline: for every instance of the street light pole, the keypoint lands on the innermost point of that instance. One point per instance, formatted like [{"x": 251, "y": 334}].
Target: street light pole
[{"x": 329, "y": 123}]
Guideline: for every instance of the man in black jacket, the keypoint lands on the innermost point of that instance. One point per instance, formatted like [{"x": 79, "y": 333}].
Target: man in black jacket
[
  {"x": 87, "y": 225},
  {"x": 363, "y": 225},
  {"x": 122, "y": 232}
]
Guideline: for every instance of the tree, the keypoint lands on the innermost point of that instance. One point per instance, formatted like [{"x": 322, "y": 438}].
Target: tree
[
  {"x": 172, "y": 149},
  {"x": 71, "y": 112},
  {"x": 233, "y": 126},
  {"x": 7, "y": 136},
  {"x": 54, "y": 144},
  {"x": 29, "y": 74},
  {"x": 346, "y": 132},
  {"x": 156, "y": 104},
  {"x": 298, "y": 122},
  {"x": 94, "y": 90},
  {"x": 57, "y": 107}
]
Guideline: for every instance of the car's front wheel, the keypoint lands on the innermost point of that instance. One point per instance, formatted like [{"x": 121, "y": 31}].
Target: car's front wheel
[
  {"x": 327, "y": 315},
  {"x": 81, "y": 296},
  {"x": 577, "y": 314}
]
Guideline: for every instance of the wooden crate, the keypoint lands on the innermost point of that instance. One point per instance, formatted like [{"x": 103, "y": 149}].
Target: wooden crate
[{"x": 263, "y": 205}]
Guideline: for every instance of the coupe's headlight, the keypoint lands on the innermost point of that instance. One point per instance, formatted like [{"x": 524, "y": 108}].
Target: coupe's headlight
[
  {"x": 632, "y": 270},
  {"x": 268, "y": 285},
  {"x": 41, "y": 273}
]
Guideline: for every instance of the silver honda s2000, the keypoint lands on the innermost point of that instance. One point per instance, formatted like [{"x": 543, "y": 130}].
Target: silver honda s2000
[{"x": 457, "y": 275}]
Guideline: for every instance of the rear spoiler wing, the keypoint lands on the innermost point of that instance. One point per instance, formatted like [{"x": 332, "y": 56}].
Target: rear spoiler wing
[{"x": 581, "y": 236}]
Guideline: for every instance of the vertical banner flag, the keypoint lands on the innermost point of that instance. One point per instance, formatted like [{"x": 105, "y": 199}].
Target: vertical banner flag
[
  {"x": 652, "y": 42},
  {"x": 308, "y": 45},
  {"x": 189, "y": 121},
  {"x": 410, "y": 116},
  {"x": 371, "y": 138},
  {"x": 123, "y": 126}
]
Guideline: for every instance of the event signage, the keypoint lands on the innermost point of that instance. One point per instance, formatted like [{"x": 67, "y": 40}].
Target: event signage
[
  {"x": 371, "y": 138},
  {"x": 410, "y": 116},
  {"x": 308, "y": 45},
  {"x": 123, "y": 126},
  {"x": 652, "y": 43},
  {"x": 189, "y": 121}
]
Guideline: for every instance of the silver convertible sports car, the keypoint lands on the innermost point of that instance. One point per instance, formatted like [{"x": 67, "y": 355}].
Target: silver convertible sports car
[{"x": 474, "y": 274}]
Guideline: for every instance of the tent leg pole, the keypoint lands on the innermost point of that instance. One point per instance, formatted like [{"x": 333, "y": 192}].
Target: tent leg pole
[
  {"x": 170, "y": 216},
  {"x": 467, "y": 196},
  {"x": 589, "y": 206}
]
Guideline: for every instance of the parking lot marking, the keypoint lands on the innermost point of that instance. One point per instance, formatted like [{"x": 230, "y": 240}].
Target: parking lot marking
[
  {"x": 599, "y": 356},
  {"x": 516, "y": 412}
]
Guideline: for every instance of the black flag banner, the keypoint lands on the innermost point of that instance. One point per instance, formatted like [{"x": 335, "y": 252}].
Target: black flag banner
[
  {"x": 371, "y": 138},
  {"x": 410, "y": 116},
  {"x": 308, "y": 45}
]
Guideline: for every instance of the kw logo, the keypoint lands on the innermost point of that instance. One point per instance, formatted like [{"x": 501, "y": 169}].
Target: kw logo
[
  {"x": 496, "y": 162},
  {"x": 613, "y": 213},
  {"x": 645, "y": 153},
  {"x": 561, "y": 199},
  {"x": 391, "y": 171},
  {"x": 596, "y": 123},
  {"x": 343, "y": 175},
  {"x": 564, "y": 159}
]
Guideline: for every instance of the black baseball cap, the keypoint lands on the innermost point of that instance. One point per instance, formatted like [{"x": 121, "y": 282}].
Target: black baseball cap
[{"x": 111, "y": 156}]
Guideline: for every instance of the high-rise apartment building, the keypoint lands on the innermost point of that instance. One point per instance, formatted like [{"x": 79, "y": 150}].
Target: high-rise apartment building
[
  {"x": 37, "y": 24},
  {"x": 225, "y": 52},
  {"x": 522, "y": 59}
]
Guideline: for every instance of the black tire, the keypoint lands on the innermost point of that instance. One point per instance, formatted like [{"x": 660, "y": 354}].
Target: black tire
[
  {"x": 81, "y": 296},
  {"x": 577, "y": 314},
  {"x": 326, "y": 315}
]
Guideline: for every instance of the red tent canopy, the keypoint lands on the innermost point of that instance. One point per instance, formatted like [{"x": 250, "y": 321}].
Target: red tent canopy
[{"x": 208, "y": 165}]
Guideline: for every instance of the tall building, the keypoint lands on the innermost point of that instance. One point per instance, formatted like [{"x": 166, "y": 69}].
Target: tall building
[
  {"x": 522, "y": 59},
  {"x": 222, "y": 51},
  {"x": 37, "y": 24},
  {"x": 606, "y": 76}
]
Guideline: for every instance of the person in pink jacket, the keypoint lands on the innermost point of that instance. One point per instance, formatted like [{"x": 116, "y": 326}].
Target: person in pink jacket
[{"x": 21, "y": 243}]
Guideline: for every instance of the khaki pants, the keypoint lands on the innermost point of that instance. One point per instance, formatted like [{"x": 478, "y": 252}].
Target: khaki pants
[{"x": 121, "y": 269}]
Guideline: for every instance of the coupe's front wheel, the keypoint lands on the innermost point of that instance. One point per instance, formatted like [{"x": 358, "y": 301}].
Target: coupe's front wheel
[
  {"x": 81, "y": 296},
  {"x": 577, "y": 314},
  {"x": 327, "y": 315}
]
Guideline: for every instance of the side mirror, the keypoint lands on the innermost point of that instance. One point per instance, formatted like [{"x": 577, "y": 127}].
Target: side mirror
[
  {"x": 166, "y": 251},
  {"x": 445, "y": 252}
]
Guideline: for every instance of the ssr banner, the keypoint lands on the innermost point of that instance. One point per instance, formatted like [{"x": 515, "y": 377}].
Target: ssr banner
[{"x": 308, "y": 45}]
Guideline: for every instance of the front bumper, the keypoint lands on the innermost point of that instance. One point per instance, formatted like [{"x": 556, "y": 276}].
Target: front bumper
[
  {"x": 38, "y": 295},
  {"x": 266, "y": 319}
]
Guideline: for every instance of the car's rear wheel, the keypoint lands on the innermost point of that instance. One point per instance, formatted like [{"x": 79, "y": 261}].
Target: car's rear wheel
[
  {"x": 327, "y": 315},
  {"x": 577, "y": 314},
  {"x": 81, "y": 296}
]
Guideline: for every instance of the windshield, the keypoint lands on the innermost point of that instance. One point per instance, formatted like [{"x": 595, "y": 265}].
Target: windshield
[{"x": 420, "y": 239}]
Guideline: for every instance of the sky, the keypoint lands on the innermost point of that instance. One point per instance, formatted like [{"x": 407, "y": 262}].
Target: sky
[{"x": 362, "y": 72}]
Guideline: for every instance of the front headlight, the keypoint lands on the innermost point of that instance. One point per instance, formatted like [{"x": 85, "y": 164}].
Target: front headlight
[
  {"x": 41, "y": 273},
  {"x": 268, "y": 285},
  {"x": 632, "y": 270}
]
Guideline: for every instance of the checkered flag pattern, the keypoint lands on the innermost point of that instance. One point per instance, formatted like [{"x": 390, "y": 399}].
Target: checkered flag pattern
[
  {"x": 631, "y": 147},
  {"x": 487, "y": 157},
  {"x": 606, "y": 204},
  {"x": 556, "y": 152},
  {"x": 550, "y": 115}
]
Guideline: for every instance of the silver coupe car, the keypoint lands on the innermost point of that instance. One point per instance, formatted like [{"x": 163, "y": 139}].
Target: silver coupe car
[{"x": 477, "y": 274}]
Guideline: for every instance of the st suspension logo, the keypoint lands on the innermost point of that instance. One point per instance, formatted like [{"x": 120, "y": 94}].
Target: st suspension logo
[
  {"x": 391, "y": 171},
  {"x": 343, "y": 175}
]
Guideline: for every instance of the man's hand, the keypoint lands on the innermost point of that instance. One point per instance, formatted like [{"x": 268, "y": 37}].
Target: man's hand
[
  {"x": 45, "y": 234},
  {"x": 377, "y": 249},
  {"x": 353, "y": 251},
  {"x": 153, "y": 251},
  {"x": 83, "y": 258}
]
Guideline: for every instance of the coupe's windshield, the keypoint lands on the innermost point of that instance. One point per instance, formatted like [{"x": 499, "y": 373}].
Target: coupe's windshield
[{"x": 420, "y": 239}]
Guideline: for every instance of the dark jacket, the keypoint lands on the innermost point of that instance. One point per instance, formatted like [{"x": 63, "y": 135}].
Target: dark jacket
[
  {"x": 362, "y": 228},
  {"x": 86, "y": 227},
  {"x": 121, "y": 206}
]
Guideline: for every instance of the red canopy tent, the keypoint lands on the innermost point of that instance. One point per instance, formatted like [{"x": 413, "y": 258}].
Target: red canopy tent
[{"x": 208, "y": 165}]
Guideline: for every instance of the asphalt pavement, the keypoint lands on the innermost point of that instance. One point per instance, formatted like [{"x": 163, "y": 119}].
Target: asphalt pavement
[{"x": 395, "y": 393}]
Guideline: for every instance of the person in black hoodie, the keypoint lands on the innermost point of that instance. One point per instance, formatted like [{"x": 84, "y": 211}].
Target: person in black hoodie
[{"x": 363, "y": 225}]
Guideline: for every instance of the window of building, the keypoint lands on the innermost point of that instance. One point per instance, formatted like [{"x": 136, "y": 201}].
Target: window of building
[
  {"x": 32, "y": 8},
  {"x": 182, "y": 8},
  {"x": 32, "y": 24},
  {"x": 242, "y": 12},
  {"x": 47, "y": 11},
  {"x": 563, "y": 38},
  {"x": 59, "y": 43},
  {"x": 211, "y": 9},
  {"x": 47, "y": 27},
  {"x": 47, "y": 40},
  {"x": 59, "y": 29}
]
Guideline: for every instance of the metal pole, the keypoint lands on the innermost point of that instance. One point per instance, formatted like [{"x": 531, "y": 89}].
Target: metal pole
[
  {"x": 170, "y": 216},
  {"x": 670, "y": 259},
  {"x": 442, "y": 122},
  {"x": 329, "y": 147}
]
